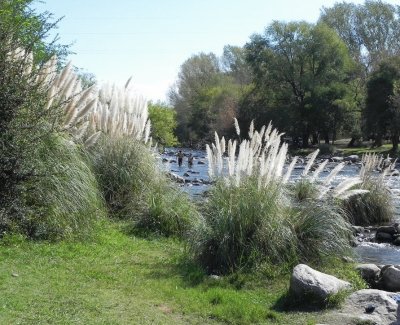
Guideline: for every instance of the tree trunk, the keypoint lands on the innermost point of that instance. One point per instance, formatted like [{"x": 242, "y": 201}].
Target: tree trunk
[
  {"x": 351, "y": 143},
  {"x": 395, "y": 142},
  {"x": 378, "y": 141},
  {"x": 315, "y": 137},
  {"x": 305, "y": 140}
]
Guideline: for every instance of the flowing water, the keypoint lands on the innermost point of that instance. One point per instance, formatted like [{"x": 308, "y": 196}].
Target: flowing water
[{"x": 197, "y": 175}]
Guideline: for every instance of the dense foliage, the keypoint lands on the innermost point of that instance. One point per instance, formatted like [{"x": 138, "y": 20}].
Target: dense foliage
[
  {"x": 163, "y": 124},
  {"x": 311, "y": 80}
]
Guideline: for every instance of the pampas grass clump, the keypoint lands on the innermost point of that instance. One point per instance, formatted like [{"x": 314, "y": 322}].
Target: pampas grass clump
[
  {"x": 64, "y": 199},
  {"x": 375, "y": 207},
  {"x": 254, "y": 215},
  {"x": 135, "y": 189},
  {"x": 243, "y": 225}
]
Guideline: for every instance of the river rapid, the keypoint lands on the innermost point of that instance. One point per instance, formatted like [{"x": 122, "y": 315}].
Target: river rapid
[{"x": 197, "y": 182}]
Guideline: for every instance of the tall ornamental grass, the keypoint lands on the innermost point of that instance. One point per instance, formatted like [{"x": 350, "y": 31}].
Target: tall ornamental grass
[
  {"x": 375, "y": 207},
  {"x": 135, "y": 189},
  {"x": 64, "y": 199},
  {"x": 252, "y": 214},
  {"x": 243, "y": 225}
]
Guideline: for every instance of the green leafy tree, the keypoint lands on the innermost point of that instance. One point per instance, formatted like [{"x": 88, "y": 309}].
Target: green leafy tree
[
  {"x": 380, "y": 114},
  {"x": 300, "y": 69},
  {"x": 163, "y": 123},
  {"x": 207, "y": 94},
  {"x": 370, "y": 30}
]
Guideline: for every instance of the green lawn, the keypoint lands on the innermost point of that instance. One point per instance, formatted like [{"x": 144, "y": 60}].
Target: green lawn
[{"x": 120, "y": 279}]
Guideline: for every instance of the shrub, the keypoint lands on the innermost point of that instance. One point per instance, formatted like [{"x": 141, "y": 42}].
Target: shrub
[
  {"x": 321, "y": 230},
  {"x": 243, "y": 225},
  {"x": 251, "y": 218},
  {"x": 135, "y": 189},
  {"x": 64, "y": 199},
  {"x": 376, "y": 206},
  {"x": 372, "y": 208}
]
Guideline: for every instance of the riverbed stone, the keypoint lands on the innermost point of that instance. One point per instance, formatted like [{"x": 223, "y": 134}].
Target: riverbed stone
[
  {"x": 387, "y": 229},
  {"x": 390, "y": 278},
  {"x": 352, "y": 158},
  {"x": 306, "y": 282},
  {"x": 396, "y": 241},
  {"x": 355, "y": 306},
  {"x": 383, "y": 237},
  {"x": 337, "y": 159},
  {"x": 369, "y": 272}
]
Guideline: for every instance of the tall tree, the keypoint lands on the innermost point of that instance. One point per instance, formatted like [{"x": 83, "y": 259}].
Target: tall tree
[
  {"x": 380, "y": 113},
  {"x": 196, "y": 75},
  {"x": 301, "y": 63},
  {"x": 370, "y": 30}
]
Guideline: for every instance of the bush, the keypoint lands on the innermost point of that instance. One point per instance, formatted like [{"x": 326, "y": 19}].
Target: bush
[
  {"x": 372, "y": 208},
  {"x": 321, "y": 231},
  {"x": 135, "y": 189},
  {"x": 243, "y": 225},
  {"x": 250, "y": 217},
  {"x": 376, "y": 206},
  {"x": 64, "y": 199}
]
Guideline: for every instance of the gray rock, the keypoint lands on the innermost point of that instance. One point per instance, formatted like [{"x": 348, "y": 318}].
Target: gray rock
[
  {"x": 352, "y": 158},
  {"x": 176, "y": 178},
  {"x": 390, "y": 278},
  {"x": 337, "y": 159},
  {"x": 369, "y": 272},
  {"x": 354, "y": 310},
  {"x": 307, "y": 281},
  {"x": 383, "y": 236},
  {"x": 387, "y": 229},
  {"x": 396, "y": 241},
  {"x": 200, "y": 162}
]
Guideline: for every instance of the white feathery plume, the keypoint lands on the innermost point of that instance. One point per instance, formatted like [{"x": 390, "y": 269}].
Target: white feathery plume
[
  {"x": 90, "y": 141},
  {"x": 210, "y": 161},
  {"x": 128, "y": 82},
  {"x": 237, "y": 128},
  {"x": 333, "y": 173},
  {"x": 147, "y": 131},
  {"x": 223, "y": 145},
  {"x": 89, "y": 106},
  {"x": 290, "y": 170},
  {"x": 311, "y": 160},
  {"x": 345, "y": 185},
  {"x": 251, "y": 129},
  {"x": 351, "y": 193},
  {"x": 320, "y": 168}
]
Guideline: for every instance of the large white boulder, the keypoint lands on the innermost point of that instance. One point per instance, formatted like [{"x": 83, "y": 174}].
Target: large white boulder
[{"x": 306, "y": 281}]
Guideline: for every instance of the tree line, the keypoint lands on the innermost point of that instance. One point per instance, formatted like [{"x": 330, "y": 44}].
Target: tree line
[{"x": 316, "y": 82}]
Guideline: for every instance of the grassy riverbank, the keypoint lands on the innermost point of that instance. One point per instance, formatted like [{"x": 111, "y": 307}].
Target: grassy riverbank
[
  {"x": 117, "y": 278},
  {"x": 340, "y": 148}
]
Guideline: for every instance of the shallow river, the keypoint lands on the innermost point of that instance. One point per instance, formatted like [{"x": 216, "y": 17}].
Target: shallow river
[{"x": 366, "y": 252}]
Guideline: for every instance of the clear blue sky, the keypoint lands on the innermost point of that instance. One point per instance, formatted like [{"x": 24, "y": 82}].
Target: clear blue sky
[{"x": 150, "y": 39}]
